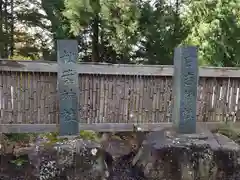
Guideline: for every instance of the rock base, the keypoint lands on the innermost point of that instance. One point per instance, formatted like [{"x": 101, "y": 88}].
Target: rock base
[
  {"x": 172, "y": 156},
  {"x": 159, "y": 155}
]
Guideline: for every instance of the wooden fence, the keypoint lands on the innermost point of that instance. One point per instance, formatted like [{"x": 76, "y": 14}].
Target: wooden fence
[{"x": 109, "y": 95}]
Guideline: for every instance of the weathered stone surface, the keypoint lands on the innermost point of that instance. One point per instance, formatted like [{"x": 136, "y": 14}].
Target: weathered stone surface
[
  {"x": 10, "y": 169},
  {"x": 67, "y": 52},
  {"x": 74, "y": 159},
  {"x": 118, "y": 146},
  {"x": 168, "y": 155},
  {"x": 185, "y": 82},
  {"x": 162, "y": 155},
  {"x": 227, "y": 158}
]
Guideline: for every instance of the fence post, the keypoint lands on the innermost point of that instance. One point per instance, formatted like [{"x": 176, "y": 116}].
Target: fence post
[
  {"x": 67, "y": 55},
  {"x": 185, "y": 83}
]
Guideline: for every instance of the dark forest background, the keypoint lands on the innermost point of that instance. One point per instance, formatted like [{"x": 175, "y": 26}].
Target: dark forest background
[{"x": 122, "y": 31}]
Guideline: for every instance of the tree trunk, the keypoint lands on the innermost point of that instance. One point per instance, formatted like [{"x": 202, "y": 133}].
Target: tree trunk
[
  {"x": 12, "y": 30},
  {"x": 95, "y": 39},
  {"x": 57, "y": 30},
  {"x": 1, "y": 29}
]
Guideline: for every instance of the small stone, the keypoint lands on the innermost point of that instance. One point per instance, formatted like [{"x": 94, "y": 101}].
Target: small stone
[{"x": 94, "y": 151}]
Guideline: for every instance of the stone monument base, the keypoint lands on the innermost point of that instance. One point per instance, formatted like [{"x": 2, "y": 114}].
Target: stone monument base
[{"x": 206, "y": 156}]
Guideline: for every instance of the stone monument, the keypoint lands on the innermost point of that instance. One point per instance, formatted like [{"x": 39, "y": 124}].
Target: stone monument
[
  {"x": 67, "y": 55},
  {"x": 185, "y": 83},
  {"x": 182, "y": 152}
]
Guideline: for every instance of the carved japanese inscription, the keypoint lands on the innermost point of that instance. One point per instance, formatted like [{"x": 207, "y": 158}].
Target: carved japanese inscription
[
  {"x": 185, "y": 89},
  {"x": 68, "y": 87}
]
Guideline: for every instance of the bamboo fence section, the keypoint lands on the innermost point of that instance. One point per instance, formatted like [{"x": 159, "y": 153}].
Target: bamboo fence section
[{"x": 111, "y": 94}]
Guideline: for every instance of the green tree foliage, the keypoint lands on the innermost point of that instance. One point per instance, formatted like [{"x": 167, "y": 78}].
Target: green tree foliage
[
  {"x": 111, "y": 24},
  {"x": 32, "y": 30},
  {"x": 117, "y": 31},
  {"x": 6, "y": 28},
  {"x": 161, "y": 30},
  {"x": 60, "y": 27},
  {"x": 215, "y": 29}
]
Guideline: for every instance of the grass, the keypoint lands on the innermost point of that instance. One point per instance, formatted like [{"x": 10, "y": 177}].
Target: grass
[{"x": 24, "y": 139}]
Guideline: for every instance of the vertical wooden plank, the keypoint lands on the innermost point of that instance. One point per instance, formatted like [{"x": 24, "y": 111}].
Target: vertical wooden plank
[
  {"x": 137, "y": 98},
  {"x": 114, "y": 99},
  {"x": 158, "y": 99},
  {"x": 105, "y": 113},
  {"x": 90, "y": 116},
  {"x": 169, "y": 100},
  {"x": 121, "y": 102},
  {"x": 26, "y": 98},
  {"x": 207, "y": 99},
  {"x": 106, "y": 100},
  {"x": 165, "y": 99},
  {"x": 68, "y": 86},
  {"x": 110, "y": 99},
  {"x": 150, "y": 95},
  {"x": 229, "y": 96},
  {"x": 31, "y": 90},
  {"x": 47, "y": 98},
  {"x": 5, "y": 98},
  {"x": 86, "y": 97},
  {"x": 149, "y": 90},
  {"x": 154, "y": 99},
  {"x": 6, "y": 90},
  {"x": 19, "y": 97},
  {"x": 230, "y": 107},
  {"x": 94, "y": 98},
  {"x": 224, "y": 97},
  {"x": 140, "y": 98},
  {"x": 227, "y": 110},
  {"x": 146, "y": 104},
  {"x": 42, "y": 97},
  {"x": 217, "y": 99},
  {"x": 1, "y": 100},
  {"x": 125, "y": 99},
  {"x": 204, "y": 98},
  {"x": 161, "y": 99},
  {"x": 233, "y": 108},
  {"x": 199, "y": 99},
  {"x": 237, "y": 100},
  {"x": 10, "y": 97},
  {"x": 56, "y": 99},
  {"x": 80, "y": 101},
  {"x": 35, "y": 98},
  {"x": 23, "y": 96},
  {"x": 98, "y": 96},
  {"x": 144, "y": 100},
  {"x": 135, "y": 115},
  {"x": 101, "y": 112},
  {"x": 131, "y": 113},
  {"x": 39, "y": 89},
  {"x": 14, "y": 92},
  {"x": 50, "y": 98},
  {"x": 234, "y": 99},
  {"x": 118, "y": 99},
  {"x": 211, "y": 97}
]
